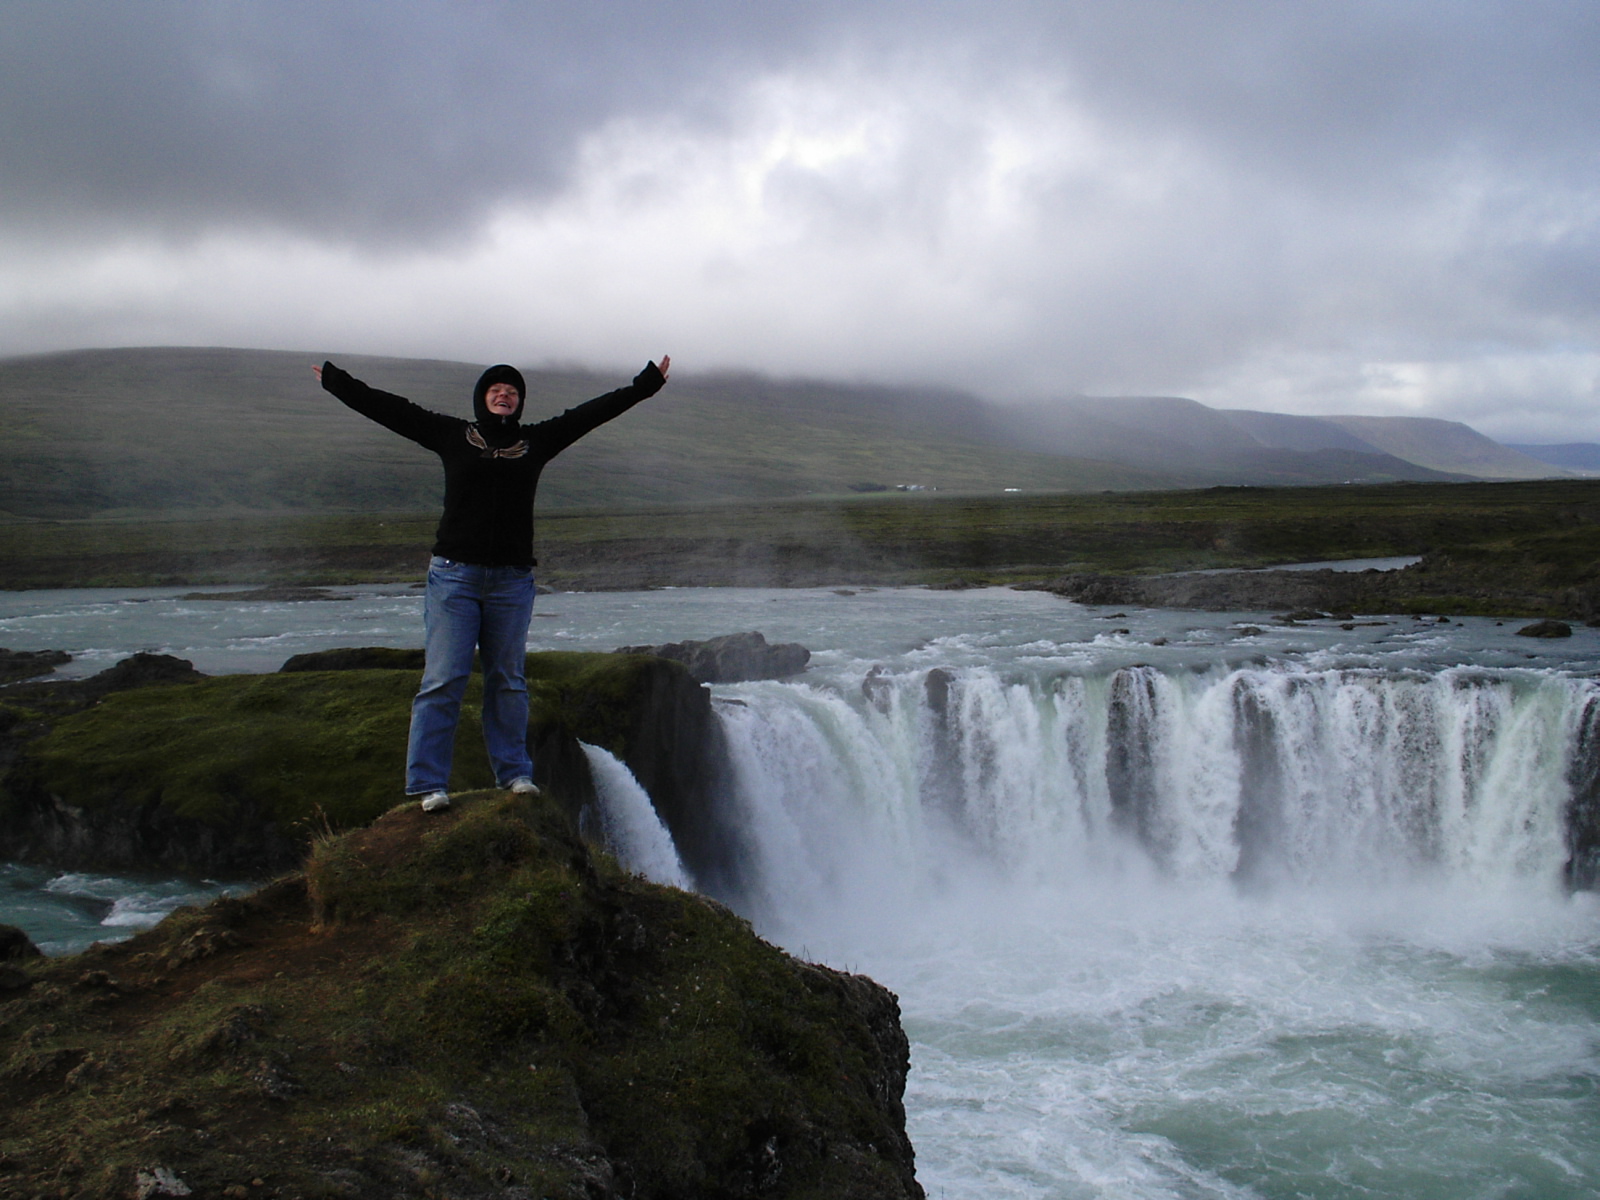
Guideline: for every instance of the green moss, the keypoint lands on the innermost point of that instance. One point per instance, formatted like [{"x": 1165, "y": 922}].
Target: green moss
[
  {"x": 299, "y": 749},
  {"x": 594, "y": 697},
  {"x": 453, "y": 859},
  {"x": 451, "y": 1004},
  {"x": 307, "y": 751}
]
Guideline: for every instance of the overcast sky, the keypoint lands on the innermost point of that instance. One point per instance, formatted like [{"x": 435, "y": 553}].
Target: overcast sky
[{"x": 1316, "y": 207}]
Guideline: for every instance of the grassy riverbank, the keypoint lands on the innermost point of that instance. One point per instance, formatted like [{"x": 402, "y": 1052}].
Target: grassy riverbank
[{"x": 1531, "y": 536}]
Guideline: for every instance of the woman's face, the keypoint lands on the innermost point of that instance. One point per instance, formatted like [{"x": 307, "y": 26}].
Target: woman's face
[{"x": 501, "y": 399}]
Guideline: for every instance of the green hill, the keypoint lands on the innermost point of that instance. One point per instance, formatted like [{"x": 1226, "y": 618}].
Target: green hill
[
  {"x": 147, "y": 430},
  {"x": 185, "y": 431}
]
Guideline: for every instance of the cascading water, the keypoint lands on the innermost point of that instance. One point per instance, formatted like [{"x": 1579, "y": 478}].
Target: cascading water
[
  {"x": 1252, "y": 932},
  {"x": 629, "y": 823},
  {"x": 1262, "y": 775}
]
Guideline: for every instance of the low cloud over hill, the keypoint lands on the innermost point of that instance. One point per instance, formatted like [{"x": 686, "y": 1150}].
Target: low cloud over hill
[{"x": 147, "y": 430}]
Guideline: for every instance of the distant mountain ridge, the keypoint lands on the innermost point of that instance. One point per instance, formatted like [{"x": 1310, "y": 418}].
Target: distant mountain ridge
[
  {"x": 1575, "y": 456},
  {"x": 1443, "y": 445},
  {"x": 1447, "y": 446},
  {"x": 1207, "y": 444},
  {"x": 150, "y": 430}
]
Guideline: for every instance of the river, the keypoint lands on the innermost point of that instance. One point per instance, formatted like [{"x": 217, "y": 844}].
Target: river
[{"x": 1177, "y": 904}]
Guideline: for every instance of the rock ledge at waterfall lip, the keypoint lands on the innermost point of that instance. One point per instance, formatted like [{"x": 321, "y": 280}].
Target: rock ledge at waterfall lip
[
  {"x": 17, "y": 665},
  {"x": 356, "y": 658},
  {"x": 235, "y": 776},
  {"x": 470, "y": 1003},
  {"x": 137, "y": 670},
  {"x": 731, "y": 658},
  {"x": 281, "y": 593},
  {"x": 15, "y": 944}
]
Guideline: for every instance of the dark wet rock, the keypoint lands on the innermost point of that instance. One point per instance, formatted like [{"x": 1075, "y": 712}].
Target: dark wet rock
[
  {"x": 357, "y": 658},
  {"x": 663, "y": 727},
  {"x": 13, "y": 978},
  {"x": 15, "y": 944},
  {"x": 1437, "y": 582},
  {"x": 731, "y": 658},
  {"x": 1296, "y": 591},
  {"x": 1546, "y": 629},
  {"x": 937, "y": 686},
  {"x": 876, "y": 687},
  {"x": 280, "y": 594},
  {"x": 136, "y": 671},
  {"x": 29, "y": 664},
  {"x": 1131, "y": 773},
  {"x": 142, "y": 670},
  {"x": 1582, "y": 818}
]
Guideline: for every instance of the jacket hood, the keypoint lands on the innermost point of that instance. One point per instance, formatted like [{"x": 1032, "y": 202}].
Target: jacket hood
[{"x": 491, "y": 424}]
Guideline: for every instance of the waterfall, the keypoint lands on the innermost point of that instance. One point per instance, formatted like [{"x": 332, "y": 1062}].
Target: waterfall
[
  {"x": 632, "y": 830},
  {"x": 1269, "y": 776}
]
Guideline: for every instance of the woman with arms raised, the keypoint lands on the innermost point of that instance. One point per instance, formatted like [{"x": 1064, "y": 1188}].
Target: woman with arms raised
[{"x": 480, "y": 579}]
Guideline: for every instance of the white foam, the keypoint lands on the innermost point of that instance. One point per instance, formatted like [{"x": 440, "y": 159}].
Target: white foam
[{"x": 633, "y": 830}]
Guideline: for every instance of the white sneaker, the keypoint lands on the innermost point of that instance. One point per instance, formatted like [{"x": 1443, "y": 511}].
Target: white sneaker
[
  {"x": 434, "y": 801},
  {"x": 524, "y": 786}
]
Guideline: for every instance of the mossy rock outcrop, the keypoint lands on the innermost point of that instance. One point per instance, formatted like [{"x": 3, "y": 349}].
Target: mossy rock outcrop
[
  {"x": 233, "y": 775},
  {"x": 452, "y": 1005}
]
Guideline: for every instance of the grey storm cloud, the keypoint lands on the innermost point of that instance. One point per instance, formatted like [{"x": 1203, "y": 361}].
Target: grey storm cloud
[
  {"x": 409, "y": 119},
  {"x": 364, "y": 121},
  {"x": 1314, "y": 206}
]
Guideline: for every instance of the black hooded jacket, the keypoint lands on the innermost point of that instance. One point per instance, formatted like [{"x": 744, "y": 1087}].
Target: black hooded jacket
[{"x": 491, "y": 466}]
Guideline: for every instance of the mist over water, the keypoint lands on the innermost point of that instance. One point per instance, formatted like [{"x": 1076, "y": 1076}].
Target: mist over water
[{"x": 1177, "y": 905}]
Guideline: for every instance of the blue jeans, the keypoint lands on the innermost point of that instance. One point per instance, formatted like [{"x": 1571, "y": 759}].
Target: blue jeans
[{"x": 469, "y": 606}]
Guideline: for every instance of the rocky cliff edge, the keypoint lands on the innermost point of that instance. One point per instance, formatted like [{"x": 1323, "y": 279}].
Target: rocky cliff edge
[{"x": 456, "y": 1005}]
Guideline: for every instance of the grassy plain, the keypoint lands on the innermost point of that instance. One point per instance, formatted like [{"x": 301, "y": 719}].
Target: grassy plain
[{"x": 1516, "y": 531}]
